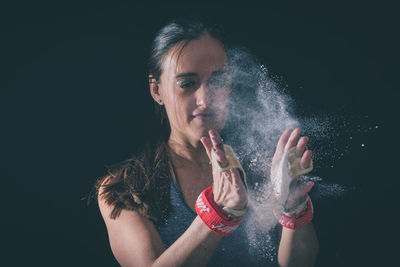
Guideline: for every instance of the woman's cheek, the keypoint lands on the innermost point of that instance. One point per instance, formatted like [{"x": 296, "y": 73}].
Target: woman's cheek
[{"x": 223, "y": 102}]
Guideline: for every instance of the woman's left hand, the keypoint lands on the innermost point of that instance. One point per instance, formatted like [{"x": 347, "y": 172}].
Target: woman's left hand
[
  {"x": 297, "y": 189},
  {"x": 228, "y": 188}
]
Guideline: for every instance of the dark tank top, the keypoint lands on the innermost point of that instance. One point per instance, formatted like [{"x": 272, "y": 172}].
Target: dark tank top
[{"x": 244, "y": 247}]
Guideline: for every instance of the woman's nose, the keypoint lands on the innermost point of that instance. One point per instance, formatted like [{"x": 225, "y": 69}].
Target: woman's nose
[{"x": 203, "y": 96}]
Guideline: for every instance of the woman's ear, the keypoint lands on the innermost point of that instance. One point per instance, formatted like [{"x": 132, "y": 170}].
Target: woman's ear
[{"x": 155, "y": 90}]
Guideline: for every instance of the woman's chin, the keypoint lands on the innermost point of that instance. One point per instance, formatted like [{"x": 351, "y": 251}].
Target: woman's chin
[
  {"x": 203, "y": 131},
  {"x": 199, "y": 128}
]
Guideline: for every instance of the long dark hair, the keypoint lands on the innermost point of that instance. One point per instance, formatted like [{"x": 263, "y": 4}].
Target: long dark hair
[{"x": 142, "y": 183}]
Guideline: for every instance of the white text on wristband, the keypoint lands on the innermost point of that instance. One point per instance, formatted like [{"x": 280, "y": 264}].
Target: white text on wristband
[
  {"x": 298, "y": 220},
  {"x": 213, "y": 216}
]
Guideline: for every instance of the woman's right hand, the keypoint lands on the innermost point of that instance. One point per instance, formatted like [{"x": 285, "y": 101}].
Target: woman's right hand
[{"x": 228, "y": 188}]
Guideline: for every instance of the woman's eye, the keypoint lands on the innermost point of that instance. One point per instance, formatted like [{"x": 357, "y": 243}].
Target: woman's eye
[{"x": 186, "y": 84}]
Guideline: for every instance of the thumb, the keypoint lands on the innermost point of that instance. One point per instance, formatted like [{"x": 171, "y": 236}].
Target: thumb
[
  {"x": 305, "y": 188},
  {"x": 298, "y": 195},
  {"x": 207, "y": 145}
]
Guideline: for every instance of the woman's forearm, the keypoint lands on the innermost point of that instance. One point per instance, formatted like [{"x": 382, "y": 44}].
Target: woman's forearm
[
  {"x": 298, "y": 247},
  {"x": 194, "y": 248}
]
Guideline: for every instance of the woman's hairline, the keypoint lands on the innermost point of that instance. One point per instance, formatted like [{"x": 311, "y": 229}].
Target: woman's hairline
[{"x": 178, "y": 48}]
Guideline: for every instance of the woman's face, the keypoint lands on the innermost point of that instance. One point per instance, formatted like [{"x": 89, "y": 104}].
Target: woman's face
[{"x": 195, "y": 87}]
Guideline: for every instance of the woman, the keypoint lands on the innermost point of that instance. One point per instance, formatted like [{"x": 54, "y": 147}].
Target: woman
[{"x": 155, "y": 205}]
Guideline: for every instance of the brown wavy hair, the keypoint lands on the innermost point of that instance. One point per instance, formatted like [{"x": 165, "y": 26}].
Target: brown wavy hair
[{"x": 140, "y": 183}]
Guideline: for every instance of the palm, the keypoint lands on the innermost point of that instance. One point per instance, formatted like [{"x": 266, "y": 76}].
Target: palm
[{"x": 294, "y": 190}]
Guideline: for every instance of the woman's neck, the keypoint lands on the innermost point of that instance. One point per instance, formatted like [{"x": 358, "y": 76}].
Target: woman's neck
[{"x": 184, "y": 151}]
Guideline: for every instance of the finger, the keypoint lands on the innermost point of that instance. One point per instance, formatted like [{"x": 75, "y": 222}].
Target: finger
[
  {"x": 237, "y": 183},
  {"x": 305, "y": 188},
  {"x": 216, "y": 140},
  {"x": 237, "y": 178},
  {"x": 218, "y": 148},
  {"x": 306, "y": 159},
  {"x": 298, "y": 193},
  {"x": 301, "y": 146},
  {"x": 283, "y": 140},
  {"x": 227, "y": 175},
  {"x": 294, "y": 136},
  {"x": 207, "y": 145},
  {"x": 218, "y": 187},
  {"x": 223, "y": 184}
]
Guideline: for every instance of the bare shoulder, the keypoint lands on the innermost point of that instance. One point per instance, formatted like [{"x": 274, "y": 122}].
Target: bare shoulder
[
  {"x": 105, "y": 208},
  {"x": 126, "y": 221},
  {"x": 133, "y": 238}
]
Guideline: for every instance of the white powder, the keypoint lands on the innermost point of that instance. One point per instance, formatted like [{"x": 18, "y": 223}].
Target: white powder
[{"x": 260, "y": 112}]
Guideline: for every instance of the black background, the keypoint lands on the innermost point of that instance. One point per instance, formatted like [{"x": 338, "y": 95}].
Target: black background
[{"x": 75, "y": 99}]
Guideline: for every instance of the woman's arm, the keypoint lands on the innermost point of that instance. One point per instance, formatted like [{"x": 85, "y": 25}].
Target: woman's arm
[
  {"x": 135, "y": 241},
  {"x": 298, "y": 247}
]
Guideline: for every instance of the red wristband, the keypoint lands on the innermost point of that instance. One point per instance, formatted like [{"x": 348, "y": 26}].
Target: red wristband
[
  {"x": 213, "y": 216},
  {"x": 297, "y": 221}
]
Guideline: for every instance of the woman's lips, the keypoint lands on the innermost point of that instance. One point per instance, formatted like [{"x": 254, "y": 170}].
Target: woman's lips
[{"x": 203, "y": 116}]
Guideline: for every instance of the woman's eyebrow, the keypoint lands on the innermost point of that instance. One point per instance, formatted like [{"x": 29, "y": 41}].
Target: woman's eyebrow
[
  {"x": 187, "y": 74},
  {"x": 218, "y": 72},
  {"x": 191, "y": 74}
]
